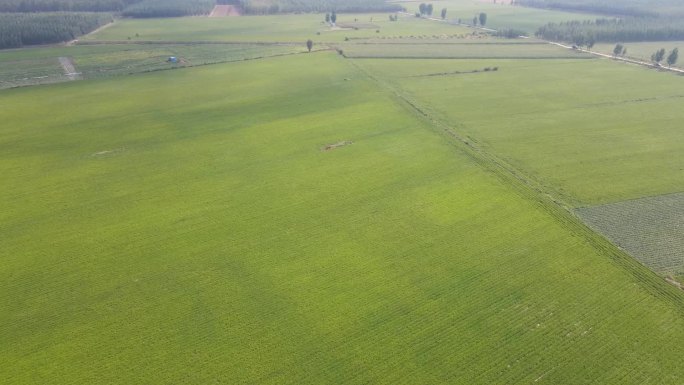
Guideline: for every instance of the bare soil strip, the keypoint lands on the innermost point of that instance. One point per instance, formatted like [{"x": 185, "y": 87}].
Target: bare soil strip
[
  {"x": 69, "y": 68},
  {"x": 222, "y": 10}
]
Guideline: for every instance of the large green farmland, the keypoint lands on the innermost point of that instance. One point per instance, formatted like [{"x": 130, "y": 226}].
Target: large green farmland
[
  {"x": 281, "y": 28},
  {"x": 411, "y": 202},
  {"x": 189, "y": 226}
]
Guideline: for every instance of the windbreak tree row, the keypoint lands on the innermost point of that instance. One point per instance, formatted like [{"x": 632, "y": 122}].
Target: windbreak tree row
[
  {"x": 636, "y": 8},
  {"x": 64, "y": 5},
  {"x": 613, "y": 30},
  {"x": 20, "y": 29},
  {"x": 285, "y": 6},
  {"x": 169, "y": 8}
]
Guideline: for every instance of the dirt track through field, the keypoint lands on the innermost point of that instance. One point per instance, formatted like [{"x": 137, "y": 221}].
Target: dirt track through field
[
  {"x": 225, "y": 10},
  {"x": 69, "y": 68}
]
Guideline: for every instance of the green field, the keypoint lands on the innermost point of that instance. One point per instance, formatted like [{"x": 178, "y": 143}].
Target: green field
[
  {"x": 499, "y": 16},
  {"x": 177, "y": 227},
  {"x": 18, "y": 73},
  {"x": 280, "y": 28},
  {"x": 409, "y": 212},
  {"x": 36, "y": 66},
  {"x": 591, "y": 131}
]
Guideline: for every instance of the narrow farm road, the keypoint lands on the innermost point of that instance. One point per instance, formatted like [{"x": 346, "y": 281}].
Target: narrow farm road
[
  {"x": 624, "y": 59},
  {"x": 69, "y": 68}
]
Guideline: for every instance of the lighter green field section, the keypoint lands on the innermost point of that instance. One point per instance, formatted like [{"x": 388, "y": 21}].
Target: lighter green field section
[
  {"x": 591, "y": 131},
  {"x": 651, "y": 229},
  {"x": 280, "y": 28},
  {"x": 36, "y": 66},
  {"x": 460, "y": 51},
  {"x": 499, "y": 16},
  {"x": 186, "y": 227}
]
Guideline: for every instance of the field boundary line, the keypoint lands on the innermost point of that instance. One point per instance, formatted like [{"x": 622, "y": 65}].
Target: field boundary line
[
  {"x": 631, "y": 200},
  {"x": 603, "y": 55}
]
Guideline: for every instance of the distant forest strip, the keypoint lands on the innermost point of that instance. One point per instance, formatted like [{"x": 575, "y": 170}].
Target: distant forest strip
[
  {"x": 261, "y": 7},
  {"x": 614, "y": 30},
  {"x": 20, "y": 29},
  {"x": 64, "y": 5},
  {"x": 169, "y": 8},
  {"x": 635, "y": 8}
]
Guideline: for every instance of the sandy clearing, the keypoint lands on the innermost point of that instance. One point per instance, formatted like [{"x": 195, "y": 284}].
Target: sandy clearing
[
  {"x": 223, "y": 10},
  {"x": 69, "y": 68}
]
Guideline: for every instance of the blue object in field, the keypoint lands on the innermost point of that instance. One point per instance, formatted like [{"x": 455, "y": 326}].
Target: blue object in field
[{"x": 173, "y": 59}]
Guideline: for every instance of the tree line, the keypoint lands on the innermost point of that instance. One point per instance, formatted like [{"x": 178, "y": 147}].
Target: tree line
[
  {"x": 20, "y": 29},
  {"x": 287, "y": 6},
  {"x": 64, "y": 5},
  {"x": 169, "y": 8},
  {"x": 583, "y": 33},
  {"x": 633, "y": 8}
]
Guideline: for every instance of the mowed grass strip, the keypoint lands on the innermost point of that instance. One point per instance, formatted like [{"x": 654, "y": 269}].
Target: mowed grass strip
[
  {"x": 188, "y": 227},
  {"x": 591, "y": 131}
]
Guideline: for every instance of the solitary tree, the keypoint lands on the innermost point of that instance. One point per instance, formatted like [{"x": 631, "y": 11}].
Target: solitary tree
[
  {"x": 475, "y": 21},
  {"x": 483, "y": 19},
  {"x": 309, "y": 44},
  {"x": 658, "y": 56},
  {"x": 672, "y": 57},
  {"x": 333, "y": 17},
  {"x": 617, "y": 51},
  {"x": 327, "y": 18},
  {"x": 444, "y": 13}
]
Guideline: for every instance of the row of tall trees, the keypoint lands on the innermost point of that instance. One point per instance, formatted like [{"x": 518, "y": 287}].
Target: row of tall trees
[
  {"x": 613, "y": 30},
  {"x": 64, "y": 5},
  {"x": 633, "y": 8},
  {"x": 346, "y": 6},
  {"x": 169, "y": 8},
  {"x": 659, "y": 55},
  {"x": 20, "y": 29}
]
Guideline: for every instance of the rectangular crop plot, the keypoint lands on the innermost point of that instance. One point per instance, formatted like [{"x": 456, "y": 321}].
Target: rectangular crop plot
[
  {"x": 30, "y": 72},
  {"x": 651, "y": 229}
]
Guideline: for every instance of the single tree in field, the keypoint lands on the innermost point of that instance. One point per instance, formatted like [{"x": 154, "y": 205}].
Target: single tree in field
[
  {"x": 309, "y": 45},
  {"x": 483, "y": 19},
  {"x": 617, "y": 51},
  {"x": 658, "y": 56},
  {"x": 444, "y": 13},
  {"x": 333, "y": 17},
  {"x": 327, "y": 18},
  {"x": 672, "y": 57},
  {"x": 429, "y": 9},
  {"x": 475, "y": 21}
]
